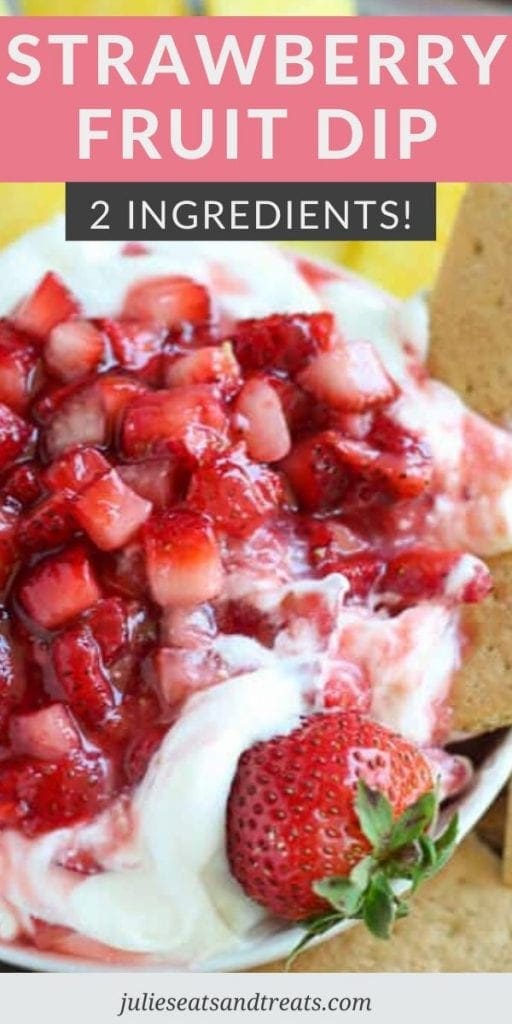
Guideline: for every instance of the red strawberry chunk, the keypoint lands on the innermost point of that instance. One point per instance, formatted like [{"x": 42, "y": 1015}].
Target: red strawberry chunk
[
  {"x": 214, "y": 364},
  {"x": 238, "y": 494},
  {"x": 168, "y": 300},
  {"x": 117, "y": 390},
  {"x": 75, "y": 469},
  {"x": 74, "y": 349},
  {"x": 48, "y": 525},
  {"x": 8, "y": 553},
  {"x": 48, "y": 305},
  {"x": 110, "y": 512},
  {"x": 282, "y": 342},
  {"x": 420, "y": 574},
  {"x": 160, "y": 481},
  {"x": 140, "y": 752},
  {"x": 49, "y": 734},
  {"x": 182, "y": 672},
  {"x": 81, "y": 674},
  {"x": 59, "y": 588},
  {"x": 18, "y": 363},
  {"x": 363, "y": 571},
  {"x": 11, "y": 681},
  {"x": 260, "y": 418},
  {"x": 405, "y": 460},
  {"x": 23, "y": 484},
  {"x": 124, "y": 571},
  {"x": 351, "y": 378},
  {"x": 108, "y": 621},
  {"x": 189, "y": 421},
  {"x": 189, "y": 627},
  {"x": 317, "y": 477},
  {"x": 136, "y": 345},
  {"x": 38, "y": 796},
  {"x": 80, "y": 419},
  {"x": 14, "y": 434},
  {"x": 183, "y": 559}
]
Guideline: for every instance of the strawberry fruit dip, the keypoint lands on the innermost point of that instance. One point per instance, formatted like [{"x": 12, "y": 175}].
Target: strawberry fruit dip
[{"x": 230, "y": 498}]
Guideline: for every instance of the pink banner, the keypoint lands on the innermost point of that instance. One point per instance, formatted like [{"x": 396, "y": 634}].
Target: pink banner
[{"x": 255, "y": 99}]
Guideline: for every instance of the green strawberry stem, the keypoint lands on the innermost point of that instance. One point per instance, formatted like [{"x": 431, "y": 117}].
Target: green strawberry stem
[{"x": 402, "y": 851}]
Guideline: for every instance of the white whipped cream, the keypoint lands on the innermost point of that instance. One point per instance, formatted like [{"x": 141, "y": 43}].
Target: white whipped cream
[{"x": 165, "y": 889}]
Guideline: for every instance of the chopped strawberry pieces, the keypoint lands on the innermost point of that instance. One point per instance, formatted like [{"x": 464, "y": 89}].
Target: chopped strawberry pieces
[
  {"x": 49, "y": 734},
  {"x": 282, "y": 342},
  {"x": 215, "y": 364},
  {"x": 81, "y": 674},
  {"x": 14, "y": 434},
  {"x": 189, "y": 421},
  {"x": 182, "y": 672},
  {"x": 8, "y": 550},
  {"x": 48, "y": 525},
  {"x": 363, "y": 571},
  {"x": 136, "y": 345},
  {"x": 18, "y": 365},
  {"x": 261, "y": 420},
  {"x": 238, "y": 494},
  {"x": 74, "y": 349},
  {"x": 108, "y": 622},
  {"x": 23, "y": 484},
  {"x": 421, "y": 573},
  {"x": 48, "y": 305},
  {"x": 351, "y": 378},
  {"x": 36, "y": 796},
  {"x": 316, "y": 474},
  {"x": 140, "y": 752},
  {"x": 10, "y": 670},
  {"x": 183, "y": 559},
  {"x": 59, "y": 588},
  {"x": 110, "y": 512},
  {"x": 405, "y": 462},
  {"x": 168, "y": 300},
  {"x": 79, "y": 420},
  {"x": 160, "y": 481},
  {"x": 75, "y": 470}
]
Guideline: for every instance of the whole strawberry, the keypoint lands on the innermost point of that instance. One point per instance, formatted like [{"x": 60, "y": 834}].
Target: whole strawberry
[{"x": 322, "y": 821}]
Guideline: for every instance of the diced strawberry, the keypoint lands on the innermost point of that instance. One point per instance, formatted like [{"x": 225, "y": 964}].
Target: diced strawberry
[
  {"x": 18, "y": 363},
  {"x": 282, "y": 342},
  {"x": 137, "y": 346},
  {"x": 11, "y": 679},
  {"x": 81, "y": 674},
  {"x": 117, "y": 390},
  {"x": 354, "y": 425},
  {"x": 140, "y": 752},
  {"x": 49, "y": 734},
  {"x": 8, "y": 552},
  {"x": 23, "y": 484},
  {"x": 405, "y": 462},
  {"x": 363, "y": 571},
  {"x": 167, "y": 300},
  {"x": 260, "y": 418},
  {"x": 160, "y": 481},
  {"x": 187, "y": 420},
  {"x": 79, "y": 420},
  {"x": 48, "y": 525},
  {"x": 108, "y": 622},
  {"x": 346, "y": 688},
  {"x": 38, "y": 796},
  {"x": 189, "y": 627},
  {"x": 215, "y": 364},
  {"x": 181, "y": 672},
  {"x": 351, "y": 377},
  {"x": 14, "y": 434},
  {"x": 316, "y": 475},
  {"x": 420, "y": 574},
  {"x": 110, "y": 512},
  {"x": 75, "y": 470},
  {"x": 59, "y": 588},
  {"x": 183, "y": 559},
  {"x": 74, "y": 349},
  {"x": 124, "y": 571},
  {"x": 297, "y": 406},
  {"x": 48, "y": 305},
  {"x": 238, "y": 494}
]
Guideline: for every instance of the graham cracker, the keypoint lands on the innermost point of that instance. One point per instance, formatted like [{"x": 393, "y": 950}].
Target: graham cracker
[
  {"x": 471, "y": 350},
  {"x": 463, "y": 917}
]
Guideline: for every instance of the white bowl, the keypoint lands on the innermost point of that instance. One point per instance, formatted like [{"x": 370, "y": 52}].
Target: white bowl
[{"x": 277, "y": 943}]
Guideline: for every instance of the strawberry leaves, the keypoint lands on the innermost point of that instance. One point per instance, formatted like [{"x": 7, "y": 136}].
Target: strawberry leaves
[{"x": 402, "y": 851}]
